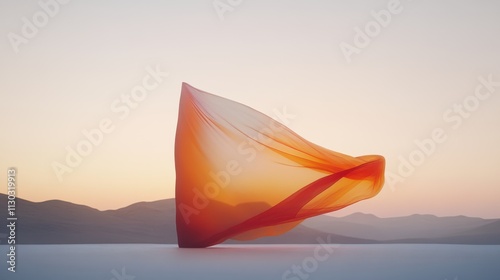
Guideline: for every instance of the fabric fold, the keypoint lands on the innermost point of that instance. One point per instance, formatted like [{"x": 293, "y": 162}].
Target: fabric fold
[{"x": 243, "y": 175}]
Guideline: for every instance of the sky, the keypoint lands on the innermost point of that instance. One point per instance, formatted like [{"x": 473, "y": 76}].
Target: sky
[{"x": 415, "y": 81}]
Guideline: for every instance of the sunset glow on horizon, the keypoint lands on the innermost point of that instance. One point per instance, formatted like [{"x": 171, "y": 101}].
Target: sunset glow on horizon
[{"x": 90, "y": 100}]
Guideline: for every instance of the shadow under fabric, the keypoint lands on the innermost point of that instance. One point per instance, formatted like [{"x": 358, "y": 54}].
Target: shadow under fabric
[{"x": 242, "y": 175}]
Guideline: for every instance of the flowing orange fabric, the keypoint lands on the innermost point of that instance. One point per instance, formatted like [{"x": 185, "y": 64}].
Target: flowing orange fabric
[{"x": 242, "y": 175}]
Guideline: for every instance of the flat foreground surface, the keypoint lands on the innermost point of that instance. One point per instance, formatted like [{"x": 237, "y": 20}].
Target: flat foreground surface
[{"x": 152, "y": 261}]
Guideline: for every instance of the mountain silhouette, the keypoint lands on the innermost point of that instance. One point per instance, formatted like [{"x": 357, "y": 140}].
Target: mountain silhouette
[{"x": 60, "y": 222}]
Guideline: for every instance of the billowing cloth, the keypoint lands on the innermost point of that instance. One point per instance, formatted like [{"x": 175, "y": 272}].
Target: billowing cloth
[{"x": 243, "y": 175}]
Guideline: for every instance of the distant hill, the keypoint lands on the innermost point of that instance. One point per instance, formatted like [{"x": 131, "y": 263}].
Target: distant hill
[
  {"x": 59, "y": 222},
  {"x": 414, "y": 228}
]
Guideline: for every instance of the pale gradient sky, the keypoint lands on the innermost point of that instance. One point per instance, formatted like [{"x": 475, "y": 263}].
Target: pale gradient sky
[{"x": 265, "y": 54}]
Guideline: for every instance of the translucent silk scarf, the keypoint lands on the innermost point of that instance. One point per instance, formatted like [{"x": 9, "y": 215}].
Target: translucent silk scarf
[{"x": 243, "y": 175}]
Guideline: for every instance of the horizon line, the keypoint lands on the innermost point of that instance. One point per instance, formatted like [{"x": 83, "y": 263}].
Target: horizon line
[{"x": 326, "y": 214}]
